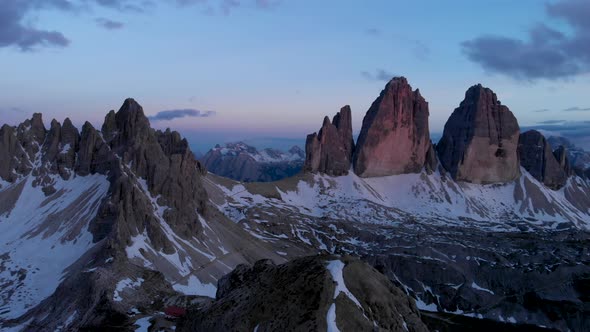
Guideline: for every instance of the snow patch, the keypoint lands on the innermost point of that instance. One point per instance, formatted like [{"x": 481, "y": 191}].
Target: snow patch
[
  {"x": 335, "y": 267},
  {"x": 126, "y": 283},
  {"x": 331, "y": 319},
  {"x": 196, "y": 287},
  {"x": 476, "y": 286}
]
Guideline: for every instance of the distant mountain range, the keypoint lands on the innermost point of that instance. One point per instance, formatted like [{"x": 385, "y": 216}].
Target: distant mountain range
[{"x": 243, "y": 162}]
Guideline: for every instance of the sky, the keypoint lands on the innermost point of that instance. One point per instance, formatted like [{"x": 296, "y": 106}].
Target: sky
[{"x": 227, "y": 70}]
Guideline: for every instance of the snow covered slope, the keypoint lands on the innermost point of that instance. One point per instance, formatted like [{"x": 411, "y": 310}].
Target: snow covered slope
[
  {"x": 479, "y": 251},
  {"x": 525, "y": 203},
  {"x": 41, "y": 236}
]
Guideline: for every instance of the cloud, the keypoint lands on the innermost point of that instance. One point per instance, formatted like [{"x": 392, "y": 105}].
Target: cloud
[
  {"x": 541, "y": 110},
  {"x": 373, "y": 32},
  {"x": 379, "y": 75},
  {"x": 225, "y": 7},
  {"x": 180, "y": 113},
  {"x": 109, "y": 24},
  {"x": 16, "y": 30},
  {"x": 267, "y": 4},
  {"x": 546, "y": 53},
  {"x": 12, "y": 109},
  {"x": 566, "y": 128},
  {"x": 577, "y": 109},
  {"x": 551, "y": 122}
]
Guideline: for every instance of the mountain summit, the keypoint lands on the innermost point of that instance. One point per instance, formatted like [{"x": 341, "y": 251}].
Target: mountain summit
[
  {"x": 480, "y": 140},
  {"x": 394, "y": 138}
]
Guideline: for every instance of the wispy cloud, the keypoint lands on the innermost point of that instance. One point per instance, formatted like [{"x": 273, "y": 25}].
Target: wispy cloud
[
  {"x": 12, "y": 109},
  {"x": 577, "y": 109},
  {"x": 109, "y": 24},
  {"x": 180, "y": 113},
  {"x": 16, "y": 29},
  {"x": 547, "y": 53},
  {"x": 373, "y": 32},
  {"x": 551, "y": 121},
  {"x": 379, "y": 75},
  {"x": 541, "y": 110}
]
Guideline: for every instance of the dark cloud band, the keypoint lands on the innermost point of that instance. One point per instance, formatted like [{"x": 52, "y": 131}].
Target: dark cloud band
[
  {"x": 15, "y": 32},
  {"x": 379, "y": 75},
  {"x": 547, "y": 53},
  {"x": 180, "y": 113}
]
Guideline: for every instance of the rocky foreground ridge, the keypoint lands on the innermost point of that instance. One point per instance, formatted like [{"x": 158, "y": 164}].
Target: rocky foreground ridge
[
  {"x": 318, "y": 293},
  {"x": 481, "y": 142}
]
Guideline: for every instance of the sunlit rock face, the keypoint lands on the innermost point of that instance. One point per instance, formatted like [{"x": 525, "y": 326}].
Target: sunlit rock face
[{"x": 394, "y": 138}]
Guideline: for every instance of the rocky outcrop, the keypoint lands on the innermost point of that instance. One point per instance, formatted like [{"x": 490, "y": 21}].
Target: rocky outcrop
[
  {"x": 431, "y": 161},
  {"x": 480, "y": 140},
  {"x": 394, "y": 138},
  {"x": 561, "y": 154},
  {"x": 537, "y": 158},
  {"x": 308, "y": 294},
  {"x": 330, "y": 150},
  {"x": 578, "y": 157},
  {"x": 162, "y": 159},
  {"x": 242, "y": 162},
  {"x": 128, "y": 219}
]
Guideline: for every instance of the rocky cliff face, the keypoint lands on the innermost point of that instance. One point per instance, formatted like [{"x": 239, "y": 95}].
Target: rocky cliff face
[
  {"x": 330, "y": 150},
  {"x": 394, "y": 138},
  {"x": 536, "y": 156},
  {"x": 242, "y": 162},
  {"x": 308, "y": 294},
  {"x": 562, "y": 156},
  {"x": 578, "y": 157},
  {"x": 480, "y": 140},
  {"x": 117, "y": 219}
]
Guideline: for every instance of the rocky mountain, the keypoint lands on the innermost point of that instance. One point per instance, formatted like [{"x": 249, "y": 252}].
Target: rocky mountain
[
  {"x": 111, "y": 228},
  {"x": 480, "y": 140},
  {"x": 242, "y": 162},
  {"x": 579, "y": 158},
  {"x": 330, "y": 150},
  {"x": 536, "y": 156},
  {"x": 513, "y": 253},
  {"x": 97, "y": 224},
  {"x": 394, "y": 138},
  {"x": 318, "y": 293}
]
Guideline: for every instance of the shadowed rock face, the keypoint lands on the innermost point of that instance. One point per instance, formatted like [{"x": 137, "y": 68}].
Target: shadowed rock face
[
  {"x": 394, "y": 138},
  {"x": 561, "y": 154},
  {"x": 330, "y": 150},
  {"x": 431, "y": 160},
  {"x": 168, "y": 167},
  {"x": 480, "y": 140},
  {"x": 537, "y": 158},
  {"x": 298, "y": 295}
]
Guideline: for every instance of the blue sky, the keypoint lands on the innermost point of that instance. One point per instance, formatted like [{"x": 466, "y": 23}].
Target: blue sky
[{"x": 275, "y": 68}]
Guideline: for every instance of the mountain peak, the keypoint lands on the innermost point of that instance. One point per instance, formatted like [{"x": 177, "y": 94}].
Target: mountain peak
[
  {"x": 330, "y": 150},
  {"x": 394, "y": 138},
  {"x": 127, "y": 126},
  {"x": 480, "y": 140}
]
